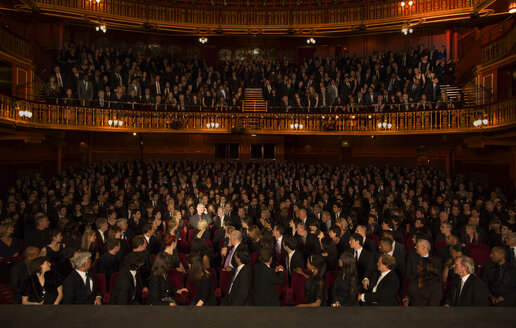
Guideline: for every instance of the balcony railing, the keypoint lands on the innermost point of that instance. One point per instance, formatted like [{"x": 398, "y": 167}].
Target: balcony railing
[
  {"x": 15, "y": 45},
  {"x": 39, "y": 115},
  {"x": 194, "y": 18},
  {"x": 500, "y": 47}
]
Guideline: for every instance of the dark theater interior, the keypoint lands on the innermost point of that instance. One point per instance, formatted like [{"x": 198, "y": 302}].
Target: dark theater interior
[{"x": 234, "y": 162}]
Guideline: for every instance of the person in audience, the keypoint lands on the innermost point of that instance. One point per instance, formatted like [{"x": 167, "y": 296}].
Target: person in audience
[
  {"x": 384, "y": 285},
  {"x": 363, "y": 258},
  {"x": 43, "y": 286},
  {"x": 80, "y": 287},
  {"x": 39, "y": 234},
  {"x": 161, "y": 291},
  {"x": 426, "y": 287},
  {"x": 345, "y": 288},
  {"x": 314, "y": 286},
  {"x": 266, "y": 279},
  {"x": 240, "y": 288},
  {"x": 129, "y": 286},
  {"x": 54, "y": 251},
  {"x": 466, "y": 289},
  {"x": 21, "y": 271},
  {"x": 9, "y": 246},
  {"x": 203, "y": 282},
  {"x": 109, "y": 262},
  {"x": 294, "y": 261},
  {"x": 500, "y": 278},
  {"x": 422, "y": 250}
]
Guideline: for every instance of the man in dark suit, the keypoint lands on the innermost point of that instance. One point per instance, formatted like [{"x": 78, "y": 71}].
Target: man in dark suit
[
  {"x": 109, "y": 262},
  {"x": 385, "y": 284},
  {"x": 100, "y": 100},
  {"x": 201, "y": 214},
  {"x": 235, "y": 243},
  {"x": 21, "y": 271},
  {"x": 39, "y": 234},
  {"x": 364, "y": 259},
  {"x": 397, "y": 248},
  {"x": 85, "y": 90},
  {"x": 385, "y": 247},
  {"x": 140, "y": 246},
  {"x": 294, "y": 260},
  {"x": 500, "y": 278},
  {"x": 79, "y": 287},
  {"x": 422, "y": 249},
  {"x": 307, "y": 243},
  {"x": 369, "y": 244},
  {"x": 266, "y": 279},
  {"x": 101, "y": 233},
  {"x": 240, "y": 288},
  {"x": 467, "y": 289},
  {"x": 129, "y": 286},
  {"x": 156, "y": 88},
  {"x": 510, "y": 249}
]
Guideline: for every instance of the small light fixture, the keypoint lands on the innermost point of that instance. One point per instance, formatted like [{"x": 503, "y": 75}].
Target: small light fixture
[
  {"x": 98, "y": 1},
  {"x": 403, "y": 3},
  {"x": 310, "y": 41},
  {"x": 512, "y": 7},
  {"x": 203, "y": 39},
  {"x": 25, "y": 113},
  {"x": 101, "y": 28},
  {"x": 134, "y": 134},
  {"x": 410, "y": 3}
]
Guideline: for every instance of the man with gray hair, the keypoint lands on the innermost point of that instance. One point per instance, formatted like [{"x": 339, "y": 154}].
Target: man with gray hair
[
  {"x": 79, "y": 287},
  {"x": 467, "y": 289},
  {"x": 200, "y": 215},
  {"x": 511, "y": 248},
  {"x": 422, "y": 249}
]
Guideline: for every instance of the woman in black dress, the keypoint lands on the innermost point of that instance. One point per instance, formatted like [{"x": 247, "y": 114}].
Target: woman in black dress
[
  {"x": 314, "y": 286},
  {"x": 345, "y": 288},
  {"x": 329, "y": 253},
  {"x": 203, "y": 282},
  {"x": 43, "y": 286},
  {"x": 161, "y": 291},
  {"x": 54, "y": 250},
  {"x": 426, "y": 288},
  {"x": 9, "y": 246}
]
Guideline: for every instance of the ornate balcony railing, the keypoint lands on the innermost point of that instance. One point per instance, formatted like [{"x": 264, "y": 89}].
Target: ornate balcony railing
[
  {"x": 14, "y": 45},
  {"x": 265, "y": 19},
  {"x": 500, "y": 47},
  {"x": 46, "y": 116}
]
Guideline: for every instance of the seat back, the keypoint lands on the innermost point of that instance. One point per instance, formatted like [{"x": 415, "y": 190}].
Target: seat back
[
  {"x": 329, "y": 281},
  {"x": 282, "y": 290},
  {"x": 479, "y": 253},
  {"x": 176, "y": 278},
  {"x": 224, "y": 281},
  {"x": 254, "y": 259},
  {"x": 112, "y": 283},
  {"x": 7, "y": 295},
  {"x": 298, "y": 289},
  {"x": 100, "y": 281}
]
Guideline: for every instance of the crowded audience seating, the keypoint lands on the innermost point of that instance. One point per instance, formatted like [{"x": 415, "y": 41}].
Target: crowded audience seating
[
  {"x": 124, "y": 200},
  {"x": 421, "y": 78}
]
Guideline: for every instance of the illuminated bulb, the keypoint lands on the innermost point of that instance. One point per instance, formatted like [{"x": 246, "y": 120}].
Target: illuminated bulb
[
  {"x": 379, "y": 125},
  {"x": 115, "y": 122},
  {"x": 410, "y": 3},
  {"x": 352, "y": 117},
  {"x": 134, "y": 134},
  {"x": 308, "y": 41},
  {"x": 389, "y": 125},
  {"x": 300, "y": 126},
  {"x": 29, "y": 114},
  {"x": 296, "y": 125},
  {"x": 337, "y": 117},
  {"x": 411, "y": 30},
  {"x": 217, "y": 125},
  {"x": 212, "y": 124},
  {"x": 384, "y": 124},
  {"x": 120, "y": 123},
  {"x": 208, "y": 125},
  {"x": 369, "y": 116},
  {"x": 484, "y": 121},
  {"x": 291, "y": 126},
  {"x": 98, "y": 1},
  {"x": 21, "y": 113},
  {"x": 403, "y": 3},
  {"x": 512, "y": 10},
  {"x": 110, "y": 122}
]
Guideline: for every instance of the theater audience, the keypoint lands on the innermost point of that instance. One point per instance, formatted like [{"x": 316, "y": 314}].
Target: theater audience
[
  {"x": 240, "y": 288},
  {"x": 21, "y": 271},
  {"x": 129, "y": 286},
  {"x": 466, "y": 289},
  {"x": 266, "y": 279},
  {"x": 500, "y": 278},
  {"x": 425, "y": 289},
  {"x": 43, "y": 286},
  {"x": 9, "y": 246}
]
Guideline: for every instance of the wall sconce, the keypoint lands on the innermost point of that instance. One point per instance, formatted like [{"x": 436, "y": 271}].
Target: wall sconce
[
  {"x": 25, "y": 113},
  {"x": 101, "y": 28},
  {"x": 310, "y": 41},
  {"x": 115, "y": 123},
  {"x": 479, "y": 122},
  {"x": 403, "y": 4},
  {"x": 384, "y": 125},
  {"x": 512, "y": 7},
  {"x": 406, "y": 30},
  {"x": 296, "y": 126},
  {"x": 212, "y": 125},
  {"x": 203, "y": 39}
]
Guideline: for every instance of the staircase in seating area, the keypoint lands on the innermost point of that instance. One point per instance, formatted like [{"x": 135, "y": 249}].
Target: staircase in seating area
[
  {"x": 253, "y": 101},
  {"x": 452, "y": 91}
]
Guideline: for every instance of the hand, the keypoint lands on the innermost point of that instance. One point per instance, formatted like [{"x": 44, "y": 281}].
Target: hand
[
  {"x": 228, "y": 268},
  {"x": 336, "y": 304},
  {"x": 97, "y": 301},
  {"x": 223, "y": 251},
  {"x": 365, "y": 283},
  {"x": 172, "y": 304},
  {"x": 180, "y": 291},
  {"x": 499, "y": 299},
  {"x": 280, "y": 268}
]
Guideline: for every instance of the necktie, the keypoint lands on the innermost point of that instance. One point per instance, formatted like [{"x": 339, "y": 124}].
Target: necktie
[
  {"x": 88, "y": 286},
  {"x": 227, "y": 262},
  {"x": 356, "y": 256},
  {"x": 157, "y": 88},
  {"x": 278, "y": 247},
  {"x": 59, "y": 80},
  {"x": 233, "y": 280}
]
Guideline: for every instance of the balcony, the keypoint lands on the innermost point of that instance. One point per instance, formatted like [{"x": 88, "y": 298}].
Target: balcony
[
  {"x": 276, "y": 17},
  {"x": 57, "y": 117}
]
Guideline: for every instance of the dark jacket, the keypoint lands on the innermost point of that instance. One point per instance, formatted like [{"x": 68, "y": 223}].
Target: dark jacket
[
  {"x": 240, "y": 292},
  {"x": 264, "y": 288},
  {"x": 474, "y": 293},
  {"x": 386, "y": 291},
  {"x": 74, "y": 290},
  {"x": 161, "y": 291},
  {"x": 125, "y": 292}
]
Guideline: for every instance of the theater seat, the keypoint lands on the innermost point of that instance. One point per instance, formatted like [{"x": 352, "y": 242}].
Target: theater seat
[
  {"x": 479, "y": 253},
  {"x": 224, "y": 282},
  {"x": 112, "y": 282},
  {"x": 298, "y": 289},
  {"x": 329, "y": 281},
  {"x": 176, "y": 278},
  {"x": 100, "y": 281},
  {"x": 182, "y": 258},
  {"x": 282, "y": 290},
  {"x": 406, "y": 282},
  {"x": 254, "y": 259},
  {"x": 6, "y": 294}
]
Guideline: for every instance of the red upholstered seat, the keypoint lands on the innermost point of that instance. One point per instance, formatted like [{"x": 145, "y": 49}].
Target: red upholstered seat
[
  {"x": 176, "y": 278},
  {"x": 254, "y": 259},
  {"x": 100, "y": 281},
  {"x": 479, "y": 253},
  {"x": 112, "y": 282},
  {"x": 375, "y": 238},
  {"x": 329, "y": 281},
  {"x": 282, "y": 290},
  {"x": 298, "y": 289},
  {"x": 224, "y": 282}
]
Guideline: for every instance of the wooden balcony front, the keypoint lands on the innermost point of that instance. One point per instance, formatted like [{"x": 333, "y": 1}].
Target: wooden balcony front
[
  {"x": 282, "y": 18},
  {"x": 16, "y": 112}
]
